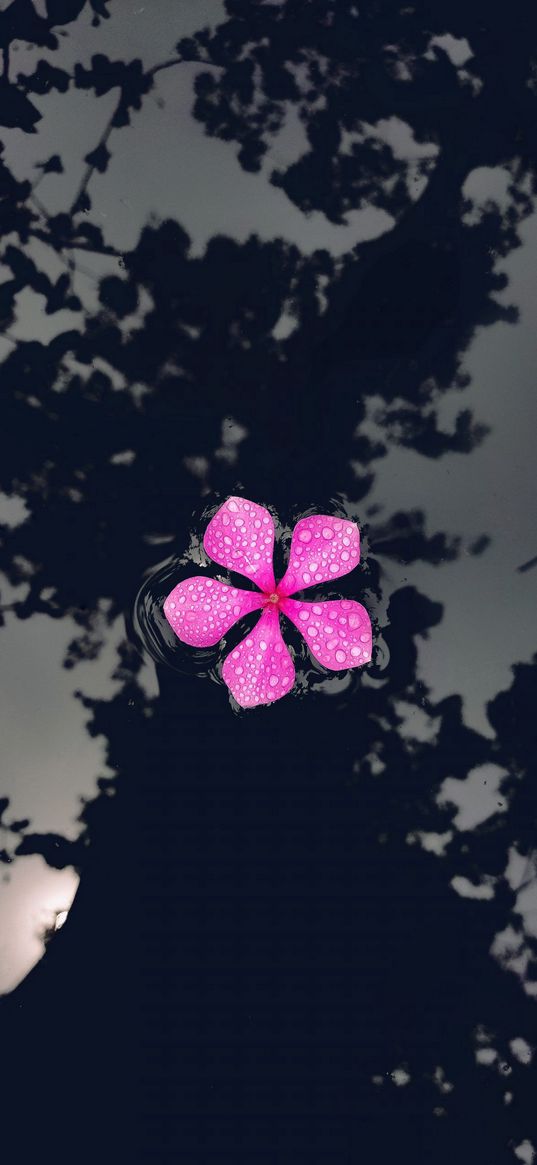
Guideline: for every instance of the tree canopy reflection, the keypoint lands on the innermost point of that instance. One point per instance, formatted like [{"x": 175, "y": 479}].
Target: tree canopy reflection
[{"x": 112, "y": 435}]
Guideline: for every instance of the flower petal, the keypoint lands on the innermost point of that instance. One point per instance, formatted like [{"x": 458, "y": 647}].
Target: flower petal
[
  {"x": 200, "y": 610},
  {"x": 241, "y": 537},
  {"x": 260, "y": 670},
  {"x": 322, "y": 548},
  {"x": 337, "y": 632}
]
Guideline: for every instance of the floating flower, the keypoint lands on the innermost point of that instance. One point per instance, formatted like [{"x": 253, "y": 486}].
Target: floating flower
[{"x": 240, "y": 537}]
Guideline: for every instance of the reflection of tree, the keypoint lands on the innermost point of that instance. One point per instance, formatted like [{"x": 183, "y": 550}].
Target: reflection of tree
[
  {"x": 344, "y": 69},
  {"x": 214, "y": 820},
  {"x": 101, "y": 428}
]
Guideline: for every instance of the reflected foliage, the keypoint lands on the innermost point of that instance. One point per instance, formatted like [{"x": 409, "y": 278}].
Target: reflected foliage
[{"x": 278, "y": 870}]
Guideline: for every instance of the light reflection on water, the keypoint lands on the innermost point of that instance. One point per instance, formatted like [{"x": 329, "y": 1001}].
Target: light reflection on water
[{"x": 35, "y": 901}]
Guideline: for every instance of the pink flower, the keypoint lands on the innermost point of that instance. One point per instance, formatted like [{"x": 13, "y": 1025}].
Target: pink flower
[{"x": 240, "y": 537}]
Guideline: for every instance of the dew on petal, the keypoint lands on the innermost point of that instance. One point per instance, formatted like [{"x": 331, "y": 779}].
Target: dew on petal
[
  {"x": 337, "y": 550},
  {"x": 232, "y": 536},
  {"x": 260, "y": 676},
  {"x": 200, "y": 617},
  {"x": 330, "y": 630}
]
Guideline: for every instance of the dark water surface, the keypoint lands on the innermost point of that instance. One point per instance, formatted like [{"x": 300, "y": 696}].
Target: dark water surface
[{"x": 286, "y": 250}]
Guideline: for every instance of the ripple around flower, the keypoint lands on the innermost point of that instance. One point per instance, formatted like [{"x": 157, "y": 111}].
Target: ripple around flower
[{"x": 240, "y": 536}]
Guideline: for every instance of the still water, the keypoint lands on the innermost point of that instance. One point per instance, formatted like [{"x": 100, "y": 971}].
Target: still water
[{"x": 286, "y": 252}]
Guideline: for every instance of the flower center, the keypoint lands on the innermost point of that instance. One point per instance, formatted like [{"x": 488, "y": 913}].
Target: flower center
[{"x": 274, "y": 597}]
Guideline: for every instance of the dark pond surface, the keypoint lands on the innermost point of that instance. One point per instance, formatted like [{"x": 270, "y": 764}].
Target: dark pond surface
[{"x": 286, "y": 251}]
